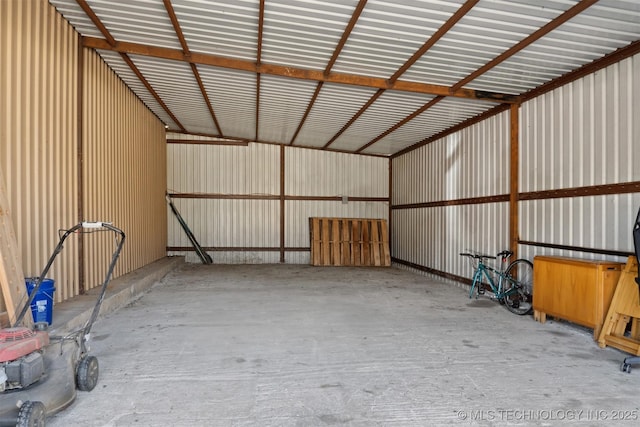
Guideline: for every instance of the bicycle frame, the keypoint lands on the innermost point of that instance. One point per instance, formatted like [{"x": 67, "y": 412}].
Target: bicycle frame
[
  {"x": 484, "y": 270},
  {"x": 509, "y": 289}
]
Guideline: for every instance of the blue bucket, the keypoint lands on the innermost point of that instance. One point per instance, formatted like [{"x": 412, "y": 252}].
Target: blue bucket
[{"x": 42, "y": 303}]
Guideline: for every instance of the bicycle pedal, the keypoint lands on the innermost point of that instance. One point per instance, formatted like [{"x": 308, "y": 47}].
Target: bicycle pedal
[{"x": 480, "y": 291}]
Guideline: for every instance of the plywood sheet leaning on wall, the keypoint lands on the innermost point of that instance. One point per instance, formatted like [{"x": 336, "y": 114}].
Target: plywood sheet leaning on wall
[
  {"x": 14, "y": 291},
  {"x": 349, "y": 242}
]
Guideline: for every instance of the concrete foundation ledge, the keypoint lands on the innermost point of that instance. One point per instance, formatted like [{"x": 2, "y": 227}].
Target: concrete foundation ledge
[{"x": 73, "y": 314}]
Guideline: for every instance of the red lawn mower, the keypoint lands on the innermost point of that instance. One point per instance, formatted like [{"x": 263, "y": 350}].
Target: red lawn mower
[{"x": 39, "y": 373}]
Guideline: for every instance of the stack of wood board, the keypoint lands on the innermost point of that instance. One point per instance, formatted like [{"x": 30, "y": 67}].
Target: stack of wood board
[{"x": 349, "y": 242}]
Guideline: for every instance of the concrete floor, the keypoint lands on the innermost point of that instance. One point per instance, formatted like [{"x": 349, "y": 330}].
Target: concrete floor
[{"x": 286, "y": 345}]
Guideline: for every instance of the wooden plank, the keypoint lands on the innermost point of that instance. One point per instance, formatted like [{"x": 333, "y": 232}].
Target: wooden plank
[
  {"x": 315, "y": 241},
  {"x": 635, "y": 330},
  {"x": 375, "y": 243},
  {"x": 357, "y": 243},
  {"x": 366, "y": 245},
  {"x": 625, "y": 306},
  {"x": 12, "y": 281},
  {"x": 336, "y": 245},
  {"x": 326, "y": 250},
  {"x": 623, "y": 343},
  {"x": 346, "y": 242},
  {"x": 386, "y": 252}
]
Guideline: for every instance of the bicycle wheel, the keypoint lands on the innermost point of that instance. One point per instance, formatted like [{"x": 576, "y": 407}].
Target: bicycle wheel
[{"x": 517, "y": 287}]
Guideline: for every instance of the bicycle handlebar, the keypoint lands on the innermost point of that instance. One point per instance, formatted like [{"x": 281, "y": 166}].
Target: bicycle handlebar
[
  {"x": 503, "y": 254},
  {"x": 477, "y": 256}
]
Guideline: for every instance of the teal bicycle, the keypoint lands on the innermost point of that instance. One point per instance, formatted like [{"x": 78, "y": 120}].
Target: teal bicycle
[{"x": 514, "y": 287}]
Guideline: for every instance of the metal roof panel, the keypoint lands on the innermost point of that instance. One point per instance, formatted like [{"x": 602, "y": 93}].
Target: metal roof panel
[
  {"x": 176, "y": 85},
  {"x": 334, "y": 107},
  {"x": 226, "y": 28},
  {"x": 302, "y": 35},
  {"x": 282, "y": 105},
  {"x": 388, "y": 110},
  {"x": 117, "y": 64},
  {"x": 440, "y": 117},
  {"x": 233, "y": 97}
]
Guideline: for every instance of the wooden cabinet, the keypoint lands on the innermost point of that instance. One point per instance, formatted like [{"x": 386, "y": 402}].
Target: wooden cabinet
[{"x": 574, "y": 289}]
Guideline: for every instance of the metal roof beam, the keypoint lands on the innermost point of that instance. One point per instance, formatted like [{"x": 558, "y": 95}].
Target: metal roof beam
[
  {"x": 111, "y": 41},
  {"x": 293, "y": 72},
  {"x": 259, "y": 61},
  {"x": 453, "y": 129},
  {"x": 612, "y": 58},
  {"x": 146, "y": 84},
  {"x": 543, "y": 31},
  {"x": 402, "y": 122},
  {"x": 460, "y": 13},
  {"x": 96, "y": 21},
  {"x": 345, "y": 35},
  {"x": 362, "y": 109},
  {"x": 194, "y": 69}
]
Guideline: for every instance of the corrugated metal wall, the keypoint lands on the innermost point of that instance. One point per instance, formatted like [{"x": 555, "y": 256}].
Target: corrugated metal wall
[
  {"x": 232, "y": 208},
  {"x": 586, "y": 133},
  {"x": 457, "y": 170},
  {"x": 580, "y": 136},
  {"x": 313, "y": 174},
  {"x": 124, "y": 173},
  {"x": 231, "y": 197},
  {"x": 38, "y": 139},
  {"x": 39, "y": 152}
]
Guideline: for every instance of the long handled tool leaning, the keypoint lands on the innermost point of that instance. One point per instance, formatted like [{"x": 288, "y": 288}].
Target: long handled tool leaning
[{"x": 204, "y": 256}]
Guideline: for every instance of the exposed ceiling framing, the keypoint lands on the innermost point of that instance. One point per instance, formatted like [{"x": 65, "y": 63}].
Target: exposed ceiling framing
[{"x": 374, "y": 77}]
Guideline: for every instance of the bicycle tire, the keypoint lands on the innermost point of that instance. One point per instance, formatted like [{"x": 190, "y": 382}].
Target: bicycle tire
[{"x": 517, "y": 287}]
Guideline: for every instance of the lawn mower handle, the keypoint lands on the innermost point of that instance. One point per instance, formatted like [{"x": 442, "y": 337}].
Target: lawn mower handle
[{"x": 58, "y": 249}]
